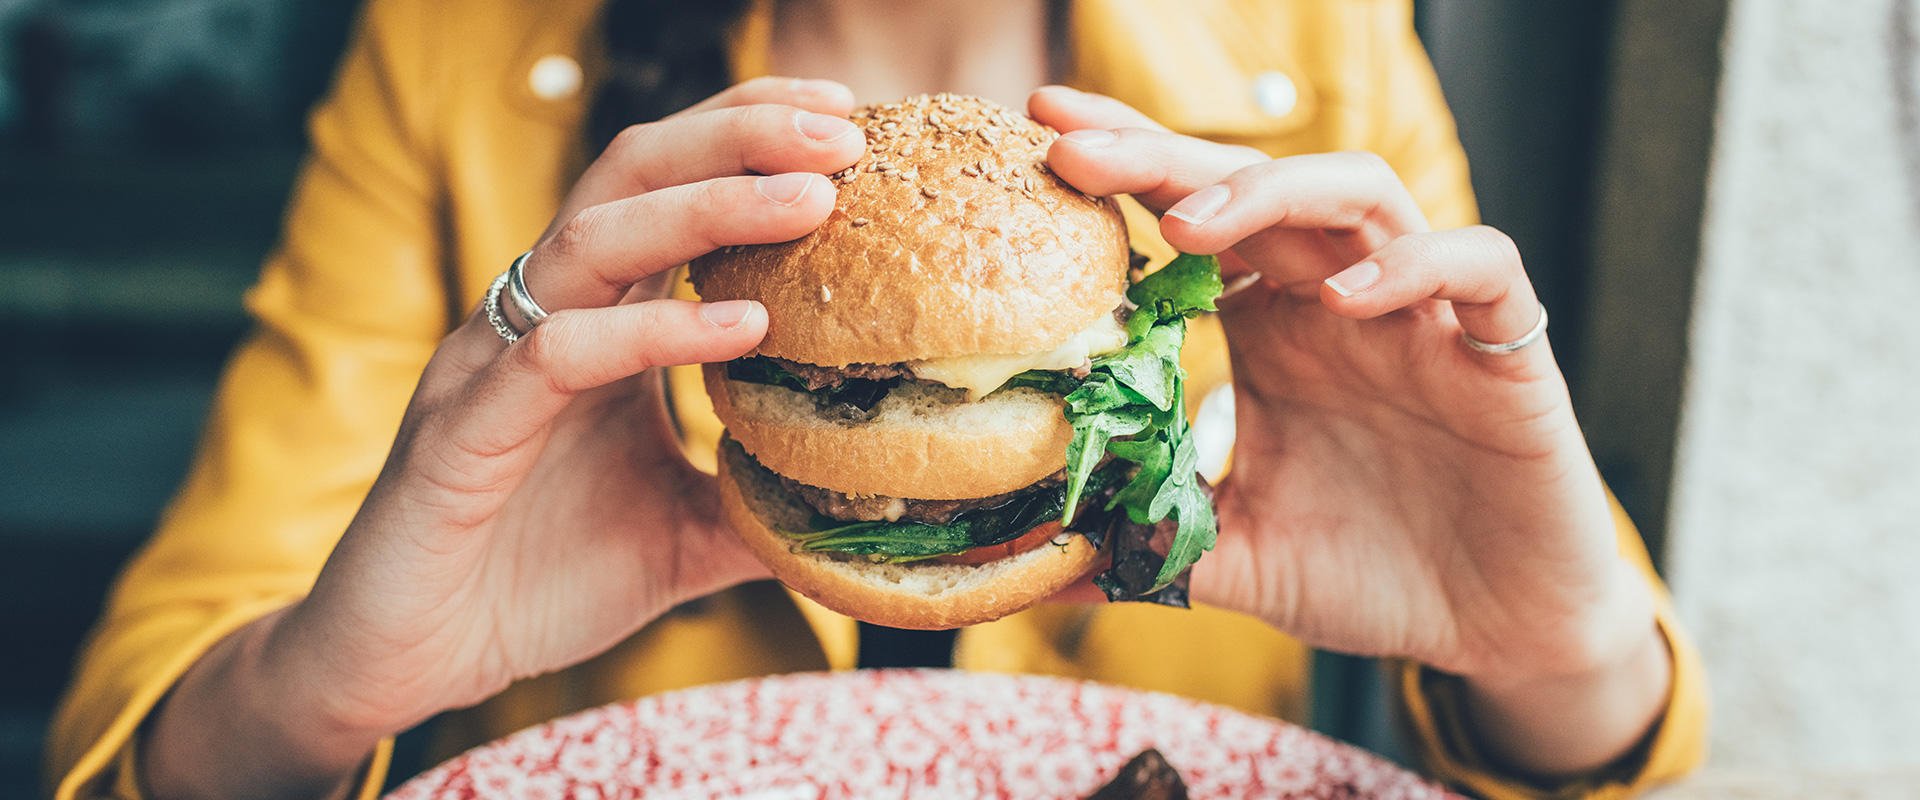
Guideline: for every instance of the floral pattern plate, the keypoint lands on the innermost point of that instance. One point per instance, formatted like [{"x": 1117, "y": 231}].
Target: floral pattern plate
[{"x": 905, "y": 734}]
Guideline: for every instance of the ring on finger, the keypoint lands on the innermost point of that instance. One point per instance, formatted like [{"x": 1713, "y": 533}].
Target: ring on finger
[
  {"x": 509, "y": 293},
  {"x": 1538, "y": 332}
]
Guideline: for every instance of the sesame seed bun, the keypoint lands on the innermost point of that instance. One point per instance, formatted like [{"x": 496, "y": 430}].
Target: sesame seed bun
[
  {"x": 950, "y": 237},
  {"x": 920, "y": 595}
]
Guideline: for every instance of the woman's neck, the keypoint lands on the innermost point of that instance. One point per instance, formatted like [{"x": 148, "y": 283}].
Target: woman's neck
[{"x": 885, "y": 49}]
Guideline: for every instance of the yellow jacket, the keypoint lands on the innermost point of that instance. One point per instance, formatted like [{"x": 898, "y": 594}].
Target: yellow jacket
[{"x": 436, "y": 159}]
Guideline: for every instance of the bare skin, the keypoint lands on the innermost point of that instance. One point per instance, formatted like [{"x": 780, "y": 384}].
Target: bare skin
[
  {"x": 887, "y": 49},
  {"x": 1395, "y": 493},
  {"x": 1374, "y": 452}
]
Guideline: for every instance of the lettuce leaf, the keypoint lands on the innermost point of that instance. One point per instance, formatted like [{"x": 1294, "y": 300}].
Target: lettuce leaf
[
  {"x": 1132, "y": 407},
  {"x": 907, "y": 540}
]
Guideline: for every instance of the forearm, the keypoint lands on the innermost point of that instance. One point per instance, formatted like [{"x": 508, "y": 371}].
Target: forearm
[
  {"x": 242, "y": 723},
  {"x": 1566, "y": 725}
]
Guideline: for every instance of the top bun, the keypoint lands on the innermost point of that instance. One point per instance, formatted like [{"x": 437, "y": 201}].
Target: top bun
[{"x": 950, "y": 237}]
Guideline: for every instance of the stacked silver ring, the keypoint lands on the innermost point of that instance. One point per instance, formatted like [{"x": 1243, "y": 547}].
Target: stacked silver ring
[
  {"x": 1504, "y": 348},
  {"x": 513, "y": 284}
]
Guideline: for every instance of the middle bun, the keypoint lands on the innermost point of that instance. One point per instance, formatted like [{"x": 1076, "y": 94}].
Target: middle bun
[{"x": 920, "y": 442}]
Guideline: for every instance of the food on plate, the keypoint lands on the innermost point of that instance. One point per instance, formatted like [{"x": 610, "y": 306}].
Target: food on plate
[
  {"x": 962, "y": 401},
  {"x": 1146, "y": 776}
]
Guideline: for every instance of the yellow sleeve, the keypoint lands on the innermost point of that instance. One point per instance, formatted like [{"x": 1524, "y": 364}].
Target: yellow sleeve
[
  {"x": 1414, "y": 131},
  {"x": 346, "y": 311},
  {"x": 1411, "y": 126}
]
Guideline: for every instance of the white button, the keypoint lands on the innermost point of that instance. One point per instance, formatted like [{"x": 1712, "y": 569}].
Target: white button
[
  {"x": 1275, "y": 93},
  {"x": 555, "y": 78}
]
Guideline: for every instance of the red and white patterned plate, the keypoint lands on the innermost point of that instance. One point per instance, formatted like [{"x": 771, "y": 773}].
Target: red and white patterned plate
[{"x": 901, "y": 734}]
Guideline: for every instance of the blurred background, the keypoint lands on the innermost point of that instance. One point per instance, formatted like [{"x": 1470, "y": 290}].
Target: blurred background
[{"x": 1719, "y": 199}]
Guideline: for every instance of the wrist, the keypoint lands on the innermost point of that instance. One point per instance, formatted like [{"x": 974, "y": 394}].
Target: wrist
[
  {"x": 234, "y": 726},
  {"x": 1614, "y": 632},
  {"x": 305, "y": 688},
  {"x": 1574, "y": 715}
]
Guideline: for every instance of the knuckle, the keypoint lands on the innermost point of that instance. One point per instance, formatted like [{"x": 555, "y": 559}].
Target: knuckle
[
  {"x": 573, "y": 236},
  {"x": 543, "y": 351},
  {"x": 630, "y": 139},
  {"x": 1367, "y": 161},
  {"x": 1254, "y": 156},
  {"x": 761, "y": 86},
  {"x": 758, "y": 121},
  {"x": 1497, "y": 244},
  {"x": 1420, "y": 251}
]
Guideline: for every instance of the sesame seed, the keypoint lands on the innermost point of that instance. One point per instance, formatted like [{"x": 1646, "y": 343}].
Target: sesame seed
[
  {"x": 860, "y": 221},
  {"x": 970, "y": 171},
  {"x": 930, "y": 192},
  {"x": 826, "y": 294}
]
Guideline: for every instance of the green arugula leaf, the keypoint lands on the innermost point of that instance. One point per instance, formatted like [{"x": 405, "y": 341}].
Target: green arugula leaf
[
  {"x": 907, "y": 540},
  {"x": 1141, "y": 322},
  {"x": 890, "y": 541},
  {"x": 1098, "y": 394},
  {"x": 1187, "y": 285},
  {"x": 1090, "y": 436},
  {"x": 1151, "y": 366},
  {"x": 1155, "y": 462},
  {"x": 1196, "y": 534},
  {"x": 1132, "y": 406},
  {"x": 1049, "y": 381}
]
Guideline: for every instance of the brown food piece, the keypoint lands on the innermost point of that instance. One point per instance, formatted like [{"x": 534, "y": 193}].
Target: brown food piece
[
  {"x": 818, "y": 377},
  {"x": 843, "y": 506},
  {"x": 1147, "y": 776}
]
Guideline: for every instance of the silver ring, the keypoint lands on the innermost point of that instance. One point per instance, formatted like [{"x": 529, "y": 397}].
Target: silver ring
[
  {"x": 522, "y": 300},
  {"x": 494, "y": 317},
  {"x": 1505, "y": 348}
]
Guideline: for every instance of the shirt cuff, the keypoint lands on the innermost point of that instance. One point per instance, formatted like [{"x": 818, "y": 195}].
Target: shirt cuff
[{"x": 1434, "y": 711}]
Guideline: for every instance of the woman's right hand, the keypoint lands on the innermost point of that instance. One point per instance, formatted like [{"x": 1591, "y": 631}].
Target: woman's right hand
[{"x": 535, "y": 509}]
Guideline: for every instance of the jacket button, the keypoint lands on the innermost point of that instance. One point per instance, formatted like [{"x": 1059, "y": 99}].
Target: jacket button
[
  {"x": 1275, "y": 93},
  {"x": 555, "y": 78}
]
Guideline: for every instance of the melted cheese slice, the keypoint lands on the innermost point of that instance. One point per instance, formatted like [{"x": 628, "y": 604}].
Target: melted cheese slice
[{"x": 982, "y": 374}]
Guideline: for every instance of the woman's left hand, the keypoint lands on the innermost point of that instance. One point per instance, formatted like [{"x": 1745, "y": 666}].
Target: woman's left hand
[{"x": 1393, "y": 491}]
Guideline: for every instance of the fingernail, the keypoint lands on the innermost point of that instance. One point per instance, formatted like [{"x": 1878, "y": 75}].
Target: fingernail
[
  {"x": 1355, "y": 279},
  {"x": 821, "y": 127},
  {"x": 1091, "y": 137},
  {"x": 726, "y": 314},
  {"x": 1201, "y": 205},
  {"x": 784, "y": 189}
]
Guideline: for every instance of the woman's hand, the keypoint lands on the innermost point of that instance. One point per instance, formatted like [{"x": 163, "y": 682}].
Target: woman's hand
[
  {"x": 1393, "y": 492},
  {"x": 535, "y": 509}
]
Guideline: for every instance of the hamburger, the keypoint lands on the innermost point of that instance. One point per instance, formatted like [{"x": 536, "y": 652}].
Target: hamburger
[{"x": 963, "y": 402}]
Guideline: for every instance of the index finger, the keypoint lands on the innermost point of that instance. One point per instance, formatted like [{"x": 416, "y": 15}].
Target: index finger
[
  {"x": 1155, "y": 165},
  {"x": 816, "y": 95}
]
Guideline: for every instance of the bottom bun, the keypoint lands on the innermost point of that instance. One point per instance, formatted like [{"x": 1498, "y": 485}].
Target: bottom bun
[{"x": 921, "y": 595}]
